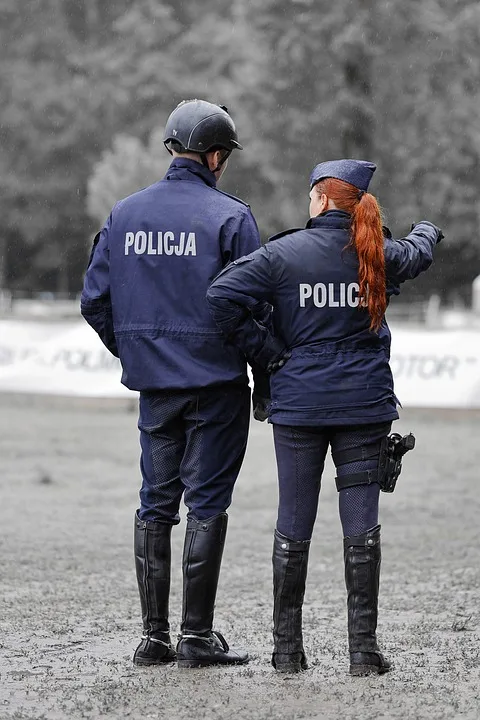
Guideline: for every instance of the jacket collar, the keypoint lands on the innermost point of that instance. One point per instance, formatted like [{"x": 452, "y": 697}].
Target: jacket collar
[
  {"x": 331, "y": 219},
  {"x": 187, "y": 169}
]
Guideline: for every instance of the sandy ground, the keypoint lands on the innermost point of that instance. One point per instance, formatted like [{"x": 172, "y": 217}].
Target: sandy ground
[{"x": 69, "y": 613}]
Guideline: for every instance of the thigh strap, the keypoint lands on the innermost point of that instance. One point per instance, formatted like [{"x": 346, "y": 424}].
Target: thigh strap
[{"x": 350, "y": 455}]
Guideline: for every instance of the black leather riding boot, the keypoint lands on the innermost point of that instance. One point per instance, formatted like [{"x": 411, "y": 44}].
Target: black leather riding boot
[
  {"x": 362, "y": 577},
  {"x": 199, "y": 645},
  {"x": 290, "y": 565},
  {"x": 152, "y": 563}
]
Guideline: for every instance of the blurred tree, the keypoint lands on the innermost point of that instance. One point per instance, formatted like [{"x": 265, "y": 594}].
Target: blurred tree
[
  {"x": 305, "y": 80},
  {"x": 127, "y": 167},
  {"x": 47, "y": 129},
  {"x": 163, "y": 53},
  {"x": 429, "y": 139}
]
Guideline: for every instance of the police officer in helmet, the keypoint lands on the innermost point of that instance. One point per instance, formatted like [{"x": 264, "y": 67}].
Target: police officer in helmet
[
  {"x": 331, "y": 386},
  {"x": 144, "y": 294}
]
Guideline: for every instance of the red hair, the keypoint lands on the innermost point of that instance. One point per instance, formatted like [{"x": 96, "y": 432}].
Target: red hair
[{"x": 367, "y": 239}]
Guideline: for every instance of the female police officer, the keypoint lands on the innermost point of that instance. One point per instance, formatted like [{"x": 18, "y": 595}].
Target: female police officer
[{"x": 329, "y": 286}]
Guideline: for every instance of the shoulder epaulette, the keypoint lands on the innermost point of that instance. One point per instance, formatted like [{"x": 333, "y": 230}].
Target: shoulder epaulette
[
  {"x": 285, "y": 232},
  {"x": 233, "y": 197}
]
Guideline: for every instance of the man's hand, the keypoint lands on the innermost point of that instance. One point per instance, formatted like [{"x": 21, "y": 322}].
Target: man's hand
[{"x": 260, "y": 407}]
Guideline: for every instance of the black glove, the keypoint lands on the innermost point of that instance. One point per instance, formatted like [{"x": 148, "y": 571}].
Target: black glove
[
  {"x": 279, "y": 362},
  {"x": 260, "y": 407},
  {"x": 440, "y": 234}
]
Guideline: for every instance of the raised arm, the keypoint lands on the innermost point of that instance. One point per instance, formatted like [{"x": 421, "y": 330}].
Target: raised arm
[{"x": 410, "y": 256}]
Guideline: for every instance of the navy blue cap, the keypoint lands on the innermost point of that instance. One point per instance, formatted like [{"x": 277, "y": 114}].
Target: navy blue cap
[{"x": 355, "y": 172}]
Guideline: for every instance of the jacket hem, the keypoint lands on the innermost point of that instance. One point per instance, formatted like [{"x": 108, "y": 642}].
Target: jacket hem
[{"x": 347, "y": 417}]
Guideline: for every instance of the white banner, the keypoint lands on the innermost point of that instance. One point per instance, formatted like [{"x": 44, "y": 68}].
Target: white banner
[
  {"x": 436, "y": 368},
  {"x": 57, "y": 359},
  {"x": 431, "y": 369}
]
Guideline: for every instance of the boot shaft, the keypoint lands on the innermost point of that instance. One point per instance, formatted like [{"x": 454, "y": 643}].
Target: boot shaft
[
  {"x": 362, "y": 556},
  {"x": 202, "y": 558},
  {"x": 290, "y": 566},
  {"x": 153, "y": 564}
]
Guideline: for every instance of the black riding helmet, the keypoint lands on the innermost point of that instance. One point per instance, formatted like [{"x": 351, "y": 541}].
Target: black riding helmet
[{"x": 199, "y": 126}]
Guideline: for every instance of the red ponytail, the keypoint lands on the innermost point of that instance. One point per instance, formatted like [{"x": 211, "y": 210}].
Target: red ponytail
[{"x": 367, "y": 239}]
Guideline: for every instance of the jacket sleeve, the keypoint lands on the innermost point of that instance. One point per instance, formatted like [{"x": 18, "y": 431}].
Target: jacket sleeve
[
  {"x": 405, "y": 259},
  {"x": 240, "y": 236},
  {"x": 236, "y": 292},
  {"x": 95, "y": 302}
]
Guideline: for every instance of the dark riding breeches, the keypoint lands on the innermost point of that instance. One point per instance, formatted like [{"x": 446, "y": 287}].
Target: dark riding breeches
[{"x": 301, "y": 453}]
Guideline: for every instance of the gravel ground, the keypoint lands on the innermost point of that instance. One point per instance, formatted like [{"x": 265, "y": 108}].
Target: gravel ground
[{"x": 70, "y": 618}]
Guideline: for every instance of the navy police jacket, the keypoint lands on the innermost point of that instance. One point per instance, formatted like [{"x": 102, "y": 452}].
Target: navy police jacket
[
  {"x": 149, "y": 271},
  {"x": 338, "y": 372}
]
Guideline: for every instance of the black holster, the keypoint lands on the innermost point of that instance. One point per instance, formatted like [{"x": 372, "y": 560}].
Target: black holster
[
  {"x": 392, "y": 450},
  {"x": 389, "y": 451}
]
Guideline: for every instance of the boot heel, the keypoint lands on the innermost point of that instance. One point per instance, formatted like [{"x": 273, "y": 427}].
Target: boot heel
[
  {"x": 368, "y": 664},
  {"x": 212, "y": 650},
  {"x": 153, "y": 651},
  {"x": 294, "y": 663},
  {"x": 189, "y": 663},
  {"x": 293, "y": 667},
  {"x": 364, "y": 670}
]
